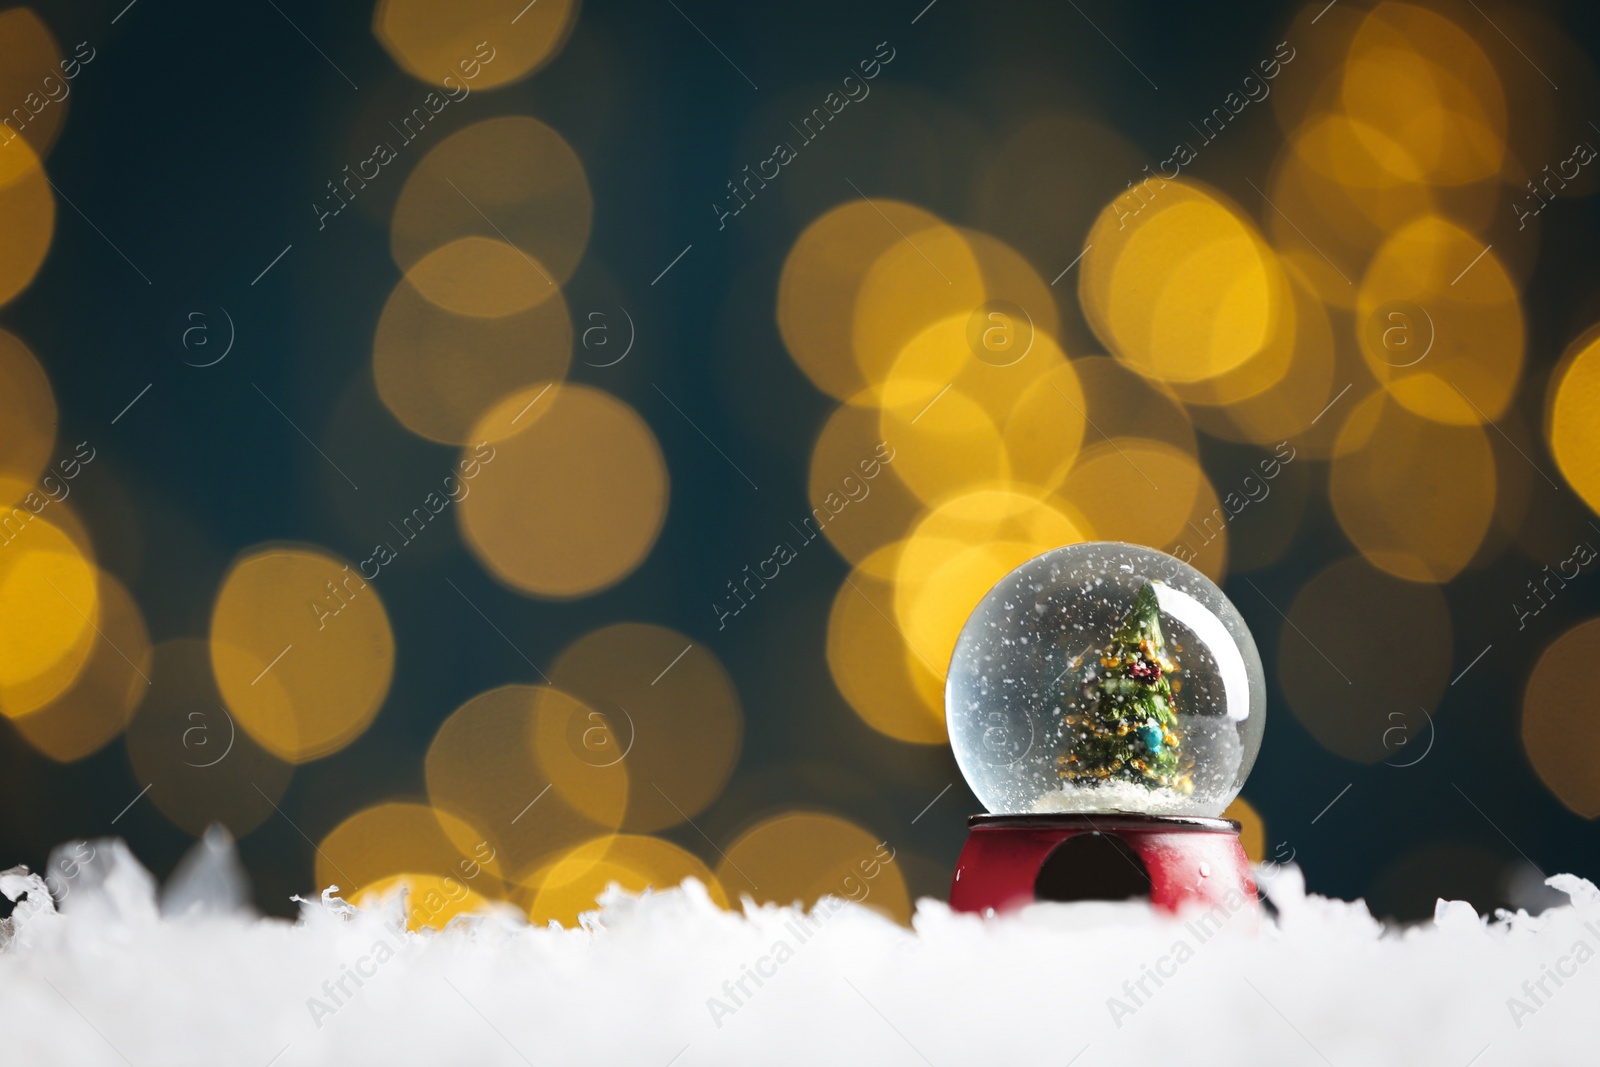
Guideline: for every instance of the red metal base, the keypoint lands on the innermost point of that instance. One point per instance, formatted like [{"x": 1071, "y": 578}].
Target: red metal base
[{"x": 1186, "y": 862}]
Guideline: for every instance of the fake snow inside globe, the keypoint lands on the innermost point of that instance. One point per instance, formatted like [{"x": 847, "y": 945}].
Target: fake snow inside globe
[{"x": 1105, "y": 677}]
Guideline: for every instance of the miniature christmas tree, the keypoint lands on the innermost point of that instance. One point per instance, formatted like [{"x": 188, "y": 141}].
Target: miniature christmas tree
[{"x": 1126, "y": 725}]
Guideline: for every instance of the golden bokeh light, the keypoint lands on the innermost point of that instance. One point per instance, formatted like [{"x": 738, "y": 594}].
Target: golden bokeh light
[
  {"x": 432, "y": 849},
  {"x": 1121, "y": 403},
  {"x": 27, "y": 425},
  {"x": 1574, "y": 419},
  {"x": 821, "y": 278},
  {"x": 32, "y": 80},
  {"x": 430, "y": 901},
  {"x": 1364, "y": 659},
  {"x": 114, "y": 681},
  {"x": 575, "y": 496},
  {"x": 919, "y": 279},
  {"x": 511, "y": 179},
  {"x": 27, "y": 216},
  {"x": 302, "y": 650},
  {"x": 1560, "y": 729},
  {"x": 1252, "y": 831},
  {"x": 1425, "y": 90},
  {"x": 1134, "y": 489},
  {"x": 571, "y": 885},
  {"x": 884, "y": 680},
  {"x": 1204, "y": 539},
  {"x": 852, "y": 464},
  {"x": 486, "y": 766},
  {"x": 439, "y": 371},
  {"x": 959, "y": 551},
  {"x": 199, "y": 762},
  {"x": 655, "y": 702},
  {"x": 49, "y": 608},
  {"x": 1415, "y": 496},
  {"x": 993, "y": 357},
  {"x": 1291, "y": 403},
  {"x": 481, "y": 277},
  {"x": 803, "y": 856},
  {"x": 1045, "y": 427},
  {"x": 943, "y": 444},
  {"x": 1182, "y": 288},
  {"x": 471, "y": 44},
  {"x": 1442, "y": 323}
]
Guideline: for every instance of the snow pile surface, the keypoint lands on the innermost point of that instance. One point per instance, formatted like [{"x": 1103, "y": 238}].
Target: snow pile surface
[{"x": 121, "y": 975}]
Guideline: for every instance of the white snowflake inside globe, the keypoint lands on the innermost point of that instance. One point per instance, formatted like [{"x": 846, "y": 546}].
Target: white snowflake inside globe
[{"x": 1105, "y": 677}]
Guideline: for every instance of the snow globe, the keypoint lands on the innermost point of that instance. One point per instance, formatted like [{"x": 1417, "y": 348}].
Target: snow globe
[{"x": 1105, "y": 702}]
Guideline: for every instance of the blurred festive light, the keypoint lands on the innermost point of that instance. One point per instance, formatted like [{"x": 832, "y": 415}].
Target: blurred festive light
[
  {"x": 27, "y": 421},
  {"x": 1364, "y": 659},
  {"x": 1121, "y": 403},
  {"x": 1415, "y": 496},
  {"x": 27, "y": 216},
  {"x": 1424, "y": 96},
  {"x": 481, "y": 277},
  {"x": 430, "y": 901},
  {"x": 1042, "y": 187},
  {"x": 472, "y": 41},
  {"x": 577, "y": 495},
  {"x": 1134, "y": 489},
  {"x": 1574, "y": 418},
  {"x": 440, "y": 371},
  {"x": 879, "y": 675},
  {"x": 511, "y": 179},
  {"x": 562, "y": 890},
  {"x": 1204, "y": 539},
  {"x": 1292, "y": 400},
  {"x": 1252, "y": 831},
  {"x": 198, "y": 762},
  {"x": 114, "y": 681},
  {"x": 34, "y": 81},
  {"x": 821, "y": 278},
  {"x": 486, "y": 767},
  {"x": 49, "y": 609},
  {"x": 802, "y": 856},
  {"x": 1178, "y": 284},
  {"x": 851, "y": 464},
  {"x": 302, "y": 650},
  {"x": 1559, "y": 729},
  {"x": 942, "y": 445},
  {"x": 992, "y": 355},
  {"x": 1342, "y": 200},
  {"x": 1045, "y": 428},
  {"x": 1441, "y": 323},
  {"x": 654, "y": 701},
  {"x": 918, "y": 279},
  {"x": 428, "y": 847},
  {"x": 960, "y": 550}
]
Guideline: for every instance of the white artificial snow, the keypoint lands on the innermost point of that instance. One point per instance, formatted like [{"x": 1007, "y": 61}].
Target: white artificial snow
[
  {"x": 656, "y": 980},
  {"x": 1115, "y": 795}
]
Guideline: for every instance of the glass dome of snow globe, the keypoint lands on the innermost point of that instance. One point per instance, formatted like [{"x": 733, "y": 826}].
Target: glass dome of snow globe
[{"x": 1105, "y": 677}]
